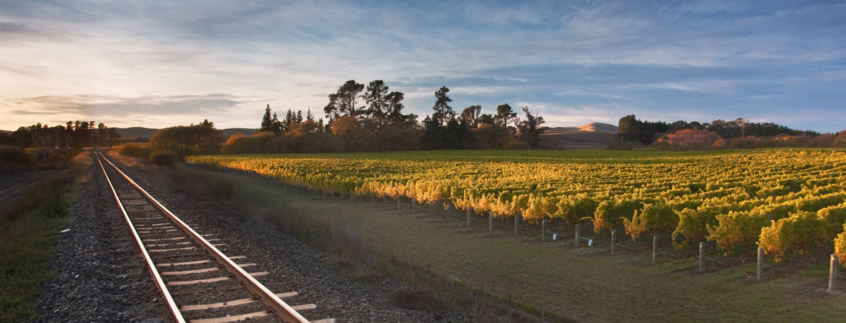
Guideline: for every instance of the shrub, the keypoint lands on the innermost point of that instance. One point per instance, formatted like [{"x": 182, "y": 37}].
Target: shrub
[
  {"x": 620, "y": 145},
  {"x": 183, "y": 141},
  {"x": 793, "y": 234},
  {"x": 693, "y": 225},
  {"x": 134, "y": 150},
  {"x": 574, "y": 208},
  {"x": 736, "y": 228},
  {"x": 839, "y": 142},
  {"x": 840, "y": 246},
  {"x": 163, "y": 158},
  {"x": 15, "y": 155},
  {"x": 610, "y": 214},
  {"x": 651, "y": 219},
  {"x": 239, "y": 144},
  {"x": 687, "y": 139}
]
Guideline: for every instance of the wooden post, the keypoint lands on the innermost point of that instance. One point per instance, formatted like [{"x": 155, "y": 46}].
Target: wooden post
[
  {"x": 452, "y": 281},
  {"x": 655, "y": 249},
  {"x": 578, "y": 226},
  {"x": 613, "y": 241},
  {"x": 543, "y": 230},
  {"x": 429, "y": 272},
  {"x": 469, "y": 211},
  {"x": 333, "y": 196},
  {"x": 701, "y": 257},
  {"x": 832, "y": 273},
  {"x": 449, "y": 212},
  {"x": 516, "y": 225},
  {"x": 509, "y": 308},
  {"x": 760, "y": 263},
  {"x": 543, "y": 315},
  {"x": 490, "y": 221},
  {"x": 431, "y": 209},
  {"x": 352, "y": 196},
  {"x": 399, "y": 200}
]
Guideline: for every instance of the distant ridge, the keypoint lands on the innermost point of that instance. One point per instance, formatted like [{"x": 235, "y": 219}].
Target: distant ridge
[
  {"x": 590, "y": 127},
  {"x": 141, "y": 132},
  {"x": 6, "y": 132}
]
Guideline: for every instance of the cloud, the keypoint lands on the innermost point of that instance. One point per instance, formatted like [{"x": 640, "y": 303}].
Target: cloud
[{"x": 699, "y": 59}]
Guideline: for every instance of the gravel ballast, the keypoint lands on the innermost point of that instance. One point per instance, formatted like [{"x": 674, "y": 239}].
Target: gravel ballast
[{"x": 101, "y": 277}]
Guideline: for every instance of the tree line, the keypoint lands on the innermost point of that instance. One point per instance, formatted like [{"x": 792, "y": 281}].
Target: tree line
[
  {"x": 733, "y": 134},
  {"x": 72, "y": 135},
  {"x": 372, "y": 118}
]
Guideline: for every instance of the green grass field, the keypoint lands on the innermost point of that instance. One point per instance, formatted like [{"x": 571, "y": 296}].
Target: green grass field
[
  {"x": 29, "y": 227},
  {"x": 582, "y": 284}
]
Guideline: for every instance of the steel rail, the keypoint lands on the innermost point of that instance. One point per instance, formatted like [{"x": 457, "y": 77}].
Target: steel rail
[
  {"x": 177, "y": 315},
  {"x": 273, "y": 302}
]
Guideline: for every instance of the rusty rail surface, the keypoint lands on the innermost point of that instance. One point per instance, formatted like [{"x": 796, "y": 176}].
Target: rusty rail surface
[{"x": 274, "y": 304}]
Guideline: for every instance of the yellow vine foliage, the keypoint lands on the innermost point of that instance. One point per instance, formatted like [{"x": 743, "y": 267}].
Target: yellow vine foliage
[{"x": 723, "y": 196}]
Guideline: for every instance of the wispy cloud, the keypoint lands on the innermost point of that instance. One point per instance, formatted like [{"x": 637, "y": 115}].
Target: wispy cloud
[{"x": 699, "y": 59}]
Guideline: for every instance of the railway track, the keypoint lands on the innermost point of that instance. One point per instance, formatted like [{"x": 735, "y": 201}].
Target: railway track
[{"x": 197, "y": 280}]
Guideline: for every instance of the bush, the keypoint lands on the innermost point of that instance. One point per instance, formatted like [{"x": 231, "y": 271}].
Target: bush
[
  {"x": 793, "y": 234},
  {"x": 610, "y": 214},
  {"x": 163, "y": 158},
  {"x": 651, "y": 219},
  {"x": 15, "y": 155},
  {"x": 134, "y": 150},
  {"x": 620, "y": 145},
  {"x": 693, "y": 225},
  {"x": 736, "y": 228},
  {"x": 574, "y": 208},
  {"x": 687, "y": 139},
  {"x": 183, "y": 141},
  {"x": 840, "y": 246}
]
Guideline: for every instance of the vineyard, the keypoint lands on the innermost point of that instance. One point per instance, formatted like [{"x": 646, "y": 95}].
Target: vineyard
[{"x": 785, "y": 200}]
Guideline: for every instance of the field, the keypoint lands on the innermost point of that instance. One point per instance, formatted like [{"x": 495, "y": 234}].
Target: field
[
  {"x": 792, "y": 199},
  {"x": 584, "y": 284}
]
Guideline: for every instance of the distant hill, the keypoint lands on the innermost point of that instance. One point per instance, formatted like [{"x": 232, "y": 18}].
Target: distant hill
[
  {"x": 590, "y": 127},
  {"x": 6, "y": 132},
  {"x": 139, "y": 132},
  {"x": 592, "y": 135},
  {"x": 232, "y": 131},
  {"x": 135, "y": 132}
]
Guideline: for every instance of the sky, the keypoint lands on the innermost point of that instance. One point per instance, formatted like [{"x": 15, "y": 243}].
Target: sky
[{"x": 163, "y": 63}]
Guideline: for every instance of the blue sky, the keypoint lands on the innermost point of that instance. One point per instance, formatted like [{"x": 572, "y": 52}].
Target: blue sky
[{"x": 163, "y": 63}]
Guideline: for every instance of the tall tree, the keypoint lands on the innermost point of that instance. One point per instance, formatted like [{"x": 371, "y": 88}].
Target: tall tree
[
  {"x": 276, "y": 125},
  {"x": 504, "y": 115},
  {"x": 471, "y": 114},
  {"x": 530, "y": 129},
  {"x": 266, "y": 121},
  {"x": 343, "y": 102},
  {"x": 443, "y": 111},
  {"x": 394, "y": 108},
  {"x": 376, "y": 98}
]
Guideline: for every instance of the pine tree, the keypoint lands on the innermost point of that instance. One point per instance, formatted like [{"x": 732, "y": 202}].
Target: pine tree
[{"x": 266, "y": 122}]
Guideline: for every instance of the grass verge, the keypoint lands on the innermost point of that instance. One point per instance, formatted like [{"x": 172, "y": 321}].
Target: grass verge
[{"x": 29, "y": 228}]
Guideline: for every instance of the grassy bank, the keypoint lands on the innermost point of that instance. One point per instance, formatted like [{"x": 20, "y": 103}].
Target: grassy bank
[
  {"x": 29, "y": 228},
  {"x": 581, "y": 284}
]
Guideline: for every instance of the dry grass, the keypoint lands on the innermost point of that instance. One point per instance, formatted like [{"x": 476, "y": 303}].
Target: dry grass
[{"x": 28, "y": 229}]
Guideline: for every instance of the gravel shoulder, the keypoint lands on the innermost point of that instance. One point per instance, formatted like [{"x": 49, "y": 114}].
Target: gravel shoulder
[{"x": 100, "y": 275}]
